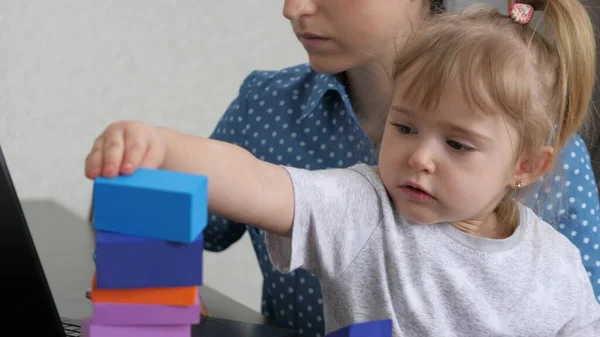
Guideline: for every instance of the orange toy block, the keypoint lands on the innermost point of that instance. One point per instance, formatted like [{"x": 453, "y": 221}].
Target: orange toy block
[{"x": 182, "y": 296}]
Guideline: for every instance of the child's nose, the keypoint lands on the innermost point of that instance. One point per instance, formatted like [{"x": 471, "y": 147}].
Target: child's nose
[{"x": 422, "y": 159}]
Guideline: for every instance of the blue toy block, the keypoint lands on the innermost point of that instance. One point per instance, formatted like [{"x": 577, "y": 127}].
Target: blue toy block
[
  {"x": 161, "y": 204},
  {"x": 125, "y": 261},
  {"x": 381, "y": 328}
]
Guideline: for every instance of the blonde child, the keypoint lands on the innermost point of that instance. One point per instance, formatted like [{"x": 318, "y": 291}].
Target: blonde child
[{"x": 432, "y": 237}]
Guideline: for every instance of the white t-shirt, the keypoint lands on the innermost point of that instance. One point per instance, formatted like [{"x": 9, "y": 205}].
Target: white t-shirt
[{"x": 430, "y": 280}]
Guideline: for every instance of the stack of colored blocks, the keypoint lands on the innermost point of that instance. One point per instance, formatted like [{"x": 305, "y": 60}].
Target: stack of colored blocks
[{"x": 148, "y": 255}]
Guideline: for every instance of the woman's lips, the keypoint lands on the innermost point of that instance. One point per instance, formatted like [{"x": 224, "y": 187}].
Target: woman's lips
[{"x": 312, "y": 41}]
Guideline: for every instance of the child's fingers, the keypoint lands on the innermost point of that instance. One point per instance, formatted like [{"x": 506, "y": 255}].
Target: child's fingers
[
  {"x": 136, "y": 146},
  {"x": 93, "y": 161},
  {"x": 114, "y": 148}
]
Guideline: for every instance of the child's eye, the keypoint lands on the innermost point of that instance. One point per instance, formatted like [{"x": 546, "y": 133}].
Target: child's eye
[
  {"x": 459, "y": 146},
  {"x": 404, "y": 129}
]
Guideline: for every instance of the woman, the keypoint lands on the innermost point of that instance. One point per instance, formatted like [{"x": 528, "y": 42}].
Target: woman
[{"x": 321, "y": 115}]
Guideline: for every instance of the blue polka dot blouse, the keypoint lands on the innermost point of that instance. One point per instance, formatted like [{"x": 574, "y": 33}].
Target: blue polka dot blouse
[{"x": 301, "y": 118}]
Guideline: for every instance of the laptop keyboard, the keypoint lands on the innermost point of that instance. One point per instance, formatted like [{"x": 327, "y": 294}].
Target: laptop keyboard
[{"x": 72, "y": 330}]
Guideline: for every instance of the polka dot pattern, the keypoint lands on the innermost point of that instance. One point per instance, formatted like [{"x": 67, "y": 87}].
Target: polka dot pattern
[
  {"x": 300, "y": 118},
  {"x": 568, "y": 200}
]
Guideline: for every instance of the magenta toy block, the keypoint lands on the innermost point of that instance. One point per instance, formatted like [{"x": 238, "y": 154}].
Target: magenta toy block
[
  {"x": 381, "y": 328},
  {"x": 161, "y": 204},
  {"x": 125, "y": 261},
  {"x": 90, "y": 329},
  {"x": 144, "y": 314}
]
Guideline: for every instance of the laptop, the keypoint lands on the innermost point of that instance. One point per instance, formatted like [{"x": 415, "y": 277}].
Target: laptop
[{"x": 28, "y": 304}]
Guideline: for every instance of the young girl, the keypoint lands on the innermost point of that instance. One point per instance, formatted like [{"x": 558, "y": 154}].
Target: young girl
[
  {"x": 430, "y": 238},
  {"x": 323, "y": 114}
]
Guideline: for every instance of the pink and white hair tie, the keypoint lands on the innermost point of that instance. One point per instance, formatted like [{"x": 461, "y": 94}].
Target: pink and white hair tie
[{"x": 521, "y": 13}]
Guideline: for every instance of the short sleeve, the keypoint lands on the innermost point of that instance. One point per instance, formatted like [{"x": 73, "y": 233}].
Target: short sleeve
[
  {"x": 336, "y": 211},
  {"x": 220, "y": 232}
]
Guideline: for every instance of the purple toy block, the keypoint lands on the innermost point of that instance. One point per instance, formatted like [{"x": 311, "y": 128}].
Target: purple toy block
[
  {"x": 90, "y": 329},
  {"x": 380, "y": 328},
  {"x": 125, "y": 261},
  {"x": 144, "y": 314}
]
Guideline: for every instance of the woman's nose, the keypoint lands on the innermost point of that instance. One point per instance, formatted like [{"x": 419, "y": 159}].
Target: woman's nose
[{"x": 293, "y": 10}]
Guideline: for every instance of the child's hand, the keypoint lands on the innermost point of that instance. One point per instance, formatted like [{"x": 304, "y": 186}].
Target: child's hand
[{"x": 123, "y": 147}]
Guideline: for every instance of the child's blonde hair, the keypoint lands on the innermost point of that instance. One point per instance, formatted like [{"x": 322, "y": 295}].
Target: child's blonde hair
[{"x": 543, "y": 85}]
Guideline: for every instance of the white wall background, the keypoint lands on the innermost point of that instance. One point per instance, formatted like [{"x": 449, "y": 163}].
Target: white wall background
[{"x": 70, "y": 67}]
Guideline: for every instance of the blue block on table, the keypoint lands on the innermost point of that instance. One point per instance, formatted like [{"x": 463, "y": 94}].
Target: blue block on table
[
  {"x": 124, "y": 261},
  {"x": 381, "y": 328},
  {"x": 161, "y": 204}
]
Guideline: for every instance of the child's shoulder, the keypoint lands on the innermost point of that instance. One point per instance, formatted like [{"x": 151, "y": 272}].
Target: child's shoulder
[
  {"x": 359, "y": 180},
  {"x": 357, "y": 174},
  {"x": 370, "y": 173},
  {"x": 546, "y": 237}
]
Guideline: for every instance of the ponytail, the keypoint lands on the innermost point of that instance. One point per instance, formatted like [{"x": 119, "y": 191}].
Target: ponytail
[
  {"x": 573, "y": 34},
  {"x": 573, "y": 65}
]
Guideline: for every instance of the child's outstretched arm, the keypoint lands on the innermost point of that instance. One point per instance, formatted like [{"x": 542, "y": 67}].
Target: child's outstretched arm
[{"x": 241, "y": 187}]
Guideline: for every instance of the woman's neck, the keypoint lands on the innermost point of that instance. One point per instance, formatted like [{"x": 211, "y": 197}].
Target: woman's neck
[{"x": 370, "y": 89}]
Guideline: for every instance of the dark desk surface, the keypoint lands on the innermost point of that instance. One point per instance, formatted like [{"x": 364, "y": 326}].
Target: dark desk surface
[{"x": 65, "y": 244}]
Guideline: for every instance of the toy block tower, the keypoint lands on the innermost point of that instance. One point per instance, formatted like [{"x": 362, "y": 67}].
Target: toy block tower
[{"x": 148, "y": 256}]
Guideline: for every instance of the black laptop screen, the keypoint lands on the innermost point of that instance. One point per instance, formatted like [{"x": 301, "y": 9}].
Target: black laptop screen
[{"x": 26, "y": 298}]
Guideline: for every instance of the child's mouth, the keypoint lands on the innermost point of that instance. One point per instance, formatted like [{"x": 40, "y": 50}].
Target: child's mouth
[
  {"x": 416, "y": 189},
  {"x": 416, "y": 193}
]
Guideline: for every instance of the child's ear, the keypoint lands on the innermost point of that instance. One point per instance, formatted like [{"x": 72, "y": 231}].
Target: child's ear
[{"x": 531, "y": 166}]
